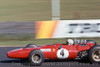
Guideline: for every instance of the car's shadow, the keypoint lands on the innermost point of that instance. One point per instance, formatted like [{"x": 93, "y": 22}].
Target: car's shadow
[
  {"x": 17, "y": 62},
  {"x": 25, "y": 62},
  {"x": 13, "y": 60}
]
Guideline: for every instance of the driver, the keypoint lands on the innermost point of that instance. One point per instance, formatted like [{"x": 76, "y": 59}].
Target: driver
[{"x": 69, "y": 42}]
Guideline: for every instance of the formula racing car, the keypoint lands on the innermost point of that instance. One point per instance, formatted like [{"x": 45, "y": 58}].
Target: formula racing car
[{"x": 71, "y": 50}]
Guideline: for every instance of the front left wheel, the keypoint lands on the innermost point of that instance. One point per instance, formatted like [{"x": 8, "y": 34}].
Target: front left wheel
[{"x": 36, "y": 58}]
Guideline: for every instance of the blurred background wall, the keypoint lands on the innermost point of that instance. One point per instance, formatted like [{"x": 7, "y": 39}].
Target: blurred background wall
[{"x": 17, "y": 18}]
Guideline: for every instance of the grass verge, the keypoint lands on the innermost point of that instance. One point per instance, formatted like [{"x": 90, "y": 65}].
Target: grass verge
[{"x": 39, "y": 42}]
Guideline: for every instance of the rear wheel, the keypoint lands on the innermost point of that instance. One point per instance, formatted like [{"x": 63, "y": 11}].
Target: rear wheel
[
  {"x": 94, "y": 54},
  {"x": 36, "y": 58}
]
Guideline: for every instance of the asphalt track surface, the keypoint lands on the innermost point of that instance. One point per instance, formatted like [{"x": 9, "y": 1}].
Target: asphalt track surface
[{"x": 9, "y": 62}]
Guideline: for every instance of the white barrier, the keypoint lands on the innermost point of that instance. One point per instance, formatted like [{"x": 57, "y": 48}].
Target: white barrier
[{"x": 77, "y": 28}]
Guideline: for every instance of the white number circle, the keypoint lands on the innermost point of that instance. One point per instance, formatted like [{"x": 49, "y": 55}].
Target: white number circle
[{"x": 62, "y": 53}]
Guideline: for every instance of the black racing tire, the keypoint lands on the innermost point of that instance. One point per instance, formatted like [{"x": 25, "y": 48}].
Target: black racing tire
[
  {"x": 36, "y": 58},
  {"x": 94, "y": 54}
]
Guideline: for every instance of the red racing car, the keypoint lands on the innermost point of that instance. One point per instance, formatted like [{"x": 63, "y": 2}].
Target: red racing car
[{"x": 71, "y": 50}]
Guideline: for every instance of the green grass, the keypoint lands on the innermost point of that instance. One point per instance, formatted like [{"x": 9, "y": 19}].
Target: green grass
[
  {"x": 16, "y": 37},
  {"x": 34, "y": 41},
  {"x": 36, "y": 10},
  {"x": 25, "y": 10},
  {"x": 80, "y": 9},
  {"x": 40, "y": 41}
]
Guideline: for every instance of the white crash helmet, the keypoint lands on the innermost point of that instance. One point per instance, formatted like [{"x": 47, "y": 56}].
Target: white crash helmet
[{"x": 70, "y": 42}]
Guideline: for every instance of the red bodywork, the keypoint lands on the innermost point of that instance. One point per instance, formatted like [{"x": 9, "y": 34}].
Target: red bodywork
[{"x": 50, "y": 51}]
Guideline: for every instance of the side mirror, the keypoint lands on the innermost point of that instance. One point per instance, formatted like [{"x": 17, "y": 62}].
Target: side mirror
[{"x": 60, "y": 47}]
